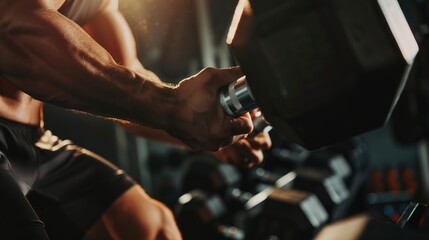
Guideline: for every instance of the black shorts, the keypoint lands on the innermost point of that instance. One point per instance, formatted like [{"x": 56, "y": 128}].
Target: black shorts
[{"x": 69, "y": 187}]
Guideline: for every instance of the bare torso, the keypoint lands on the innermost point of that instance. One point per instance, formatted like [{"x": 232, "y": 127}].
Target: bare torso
[{"x": 18, "y": 106}]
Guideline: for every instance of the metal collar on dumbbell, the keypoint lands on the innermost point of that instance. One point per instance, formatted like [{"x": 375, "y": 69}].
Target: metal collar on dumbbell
[{"x": 237, "y": 98}]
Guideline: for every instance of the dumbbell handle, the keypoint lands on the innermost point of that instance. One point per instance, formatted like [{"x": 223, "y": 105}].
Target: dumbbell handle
[{"x": 237, "y": 98}]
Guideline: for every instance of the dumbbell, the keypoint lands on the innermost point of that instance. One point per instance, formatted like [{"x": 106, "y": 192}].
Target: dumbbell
[
  {"x": 333, "y": 163},
  {"x": 284, "y": 214},
  {"x": 324, "y": 174},
  {"x": 325, "y": 189},
  {"x": 285, "y": 155},
  {"x": 216, "y": 198},
  {"x": 199, "y": 215},
  {"x": 319, "y": 72},
  {"x": 206, "y": 172},
  {"x": 325, "y": 179},
  {"x": 329, "y": 188},
  {"x": 261, "y": 176},
  {"x": 353, "y": 155}
]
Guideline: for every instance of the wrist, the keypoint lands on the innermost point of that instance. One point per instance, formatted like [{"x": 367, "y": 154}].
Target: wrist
[
  {"x": 167, "y": 112},
  {"x": 158, "y": 102}
]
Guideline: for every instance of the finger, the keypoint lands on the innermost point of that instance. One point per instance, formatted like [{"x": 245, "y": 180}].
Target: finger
[
  {"x": 261, "y": 141},
  {"x": 249, "y": 154},
  {"x": 224, "y": 155},
  {"x": 226, "y": 76},
  {"x": 235, "y": 72},
  {"x": 241, "y": 155},
  {"x": 255, "y": 112},
  {"x": 257, "y": 158},
  {"x": 241, "y": 125}
]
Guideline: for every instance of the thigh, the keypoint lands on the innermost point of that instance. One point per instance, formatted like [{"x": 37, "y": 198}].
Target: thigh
[
  {"x": 135, "y": 215},
  {"x": 75, "y": 187},
  {"x": 17, "y": 218}
]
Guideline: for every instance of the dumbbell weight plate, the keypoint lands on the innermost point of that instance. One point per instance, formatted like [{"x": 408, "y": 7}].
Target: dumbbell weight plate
[
  {"x": 329, "y": 188},
  {"x": 323, "y": 71},
  {"x": 286, "y": 214}
]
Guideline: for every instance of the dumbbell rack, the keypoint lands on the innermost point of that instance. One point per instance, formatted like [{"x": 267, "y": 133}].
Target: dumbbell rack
[{"x": 296, "y": 208}]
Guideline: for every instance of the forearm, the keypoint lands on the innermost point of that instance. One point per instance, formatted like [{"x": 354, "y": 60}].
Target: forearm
[
  {"x": 154, "y": 134},
  {"x": 147, "y": 132},
  {"x": 55, "y": 61}
]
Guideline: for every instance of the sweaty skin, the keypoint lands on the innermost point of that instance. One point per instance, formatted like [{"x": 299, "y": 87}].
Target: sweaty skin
[
  {"x": 47, "y": 57},
  {"x": 50, "y": 58}
]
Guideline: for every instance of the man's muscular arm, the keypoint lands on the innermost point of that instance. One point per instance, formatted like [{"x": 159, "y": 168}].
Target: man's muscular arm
[
  {"x": 54, "y": 60},
  {"x": 111, "y": 31}
]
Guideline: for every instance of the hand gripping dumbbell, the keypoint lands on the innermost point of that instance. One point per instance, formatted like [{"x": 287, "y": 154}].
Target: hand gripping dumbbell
[{"x": 320, "y": 73}]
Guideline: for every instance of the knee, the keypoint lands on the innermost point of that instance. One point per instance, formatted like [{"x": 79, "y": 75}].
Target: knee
[
  {"x": 165, "y": 227},
  {"x": 137, "y": 216},
  {"x": 157, "y": 222}
]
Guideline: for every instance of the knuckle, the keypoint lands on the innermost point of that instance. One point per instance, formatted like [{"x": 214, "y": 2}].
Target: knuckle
[
  {"x": 235, "y": 72},
  {"x": 259, "y": 159},
  {"x": 268, "y": 143},
  {"x": 248, "y": 127},
  {"x": 244, "y": 130},
  {"x": 209, "y": 70}
]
